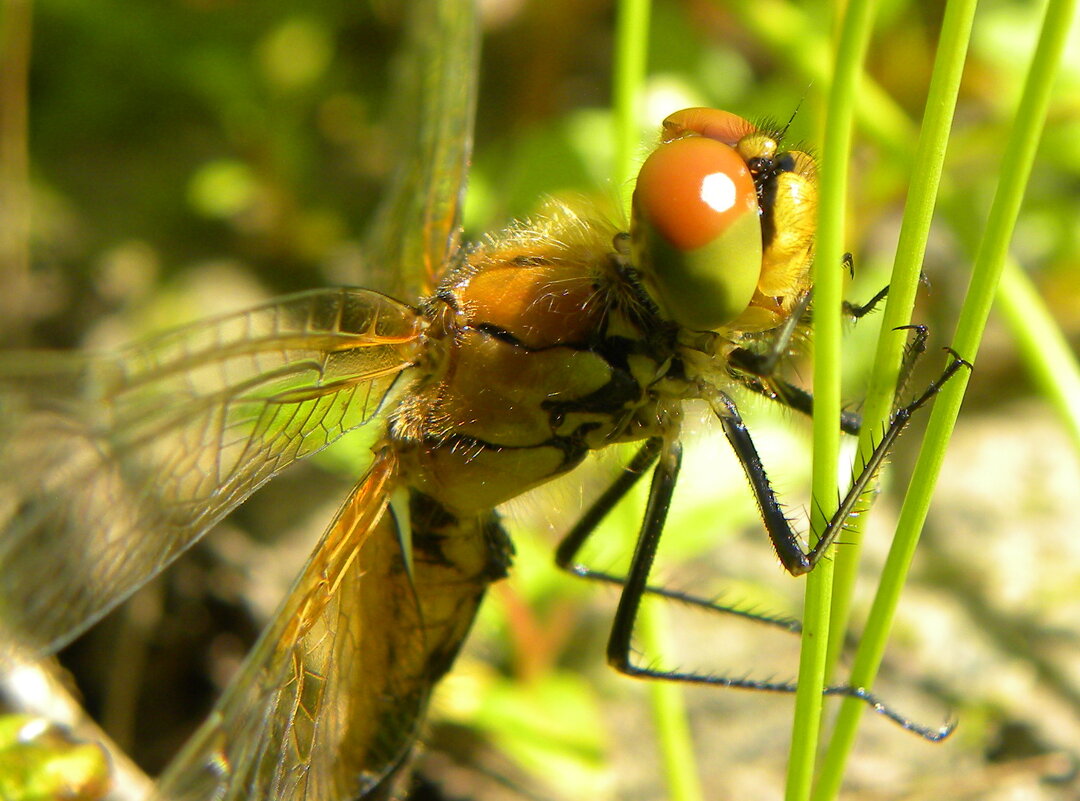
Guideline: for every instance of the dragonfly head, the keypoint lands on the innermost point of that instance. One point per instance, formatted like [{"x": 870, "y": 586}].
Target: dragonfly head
[{"x": 723, "y": 222}]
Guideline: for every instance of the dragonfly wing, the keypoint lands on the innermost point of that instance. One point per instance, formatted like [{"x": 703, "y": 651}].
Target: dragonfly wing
[
  {"x": 417, "y": 228},
  {"x": 325, "y": 706},
  {"x": 114, "y": 465}
]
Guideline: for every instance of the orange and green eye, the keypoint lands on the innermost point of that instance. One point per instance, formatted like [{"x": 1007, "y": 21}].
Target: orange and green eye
[{"x": 696, "y": 229}]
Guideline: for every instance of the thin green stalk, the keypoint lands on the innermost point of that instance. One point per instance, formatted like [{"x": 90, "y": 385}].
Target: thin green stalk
[
  {"x": 836, "y": 147},
  {"x": 628, "y": 77},
  {"x": 1043, "y": 347},
  {"x": 904, "y": 281},
  {"x": 666, "y": 698},
  {"x": 989, "y": 263}
]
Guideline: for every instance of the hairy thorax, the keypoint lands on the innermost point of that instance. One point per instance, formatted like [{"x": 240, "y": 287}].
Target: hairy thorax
[{"x": 543, "y": 350}]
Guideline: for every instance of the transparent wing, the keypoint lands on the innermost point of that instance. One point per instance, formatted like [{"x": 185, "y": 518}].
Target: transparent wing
[
  {"x": 417, "y": 229},
  {"x": 327, "y": 704},
  {"x": 114, "y": 465}
]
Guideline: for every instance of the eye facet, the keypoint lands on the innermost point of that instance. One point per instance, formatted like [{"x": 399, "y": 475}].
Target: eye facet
[{"x": 696, "y": 235}]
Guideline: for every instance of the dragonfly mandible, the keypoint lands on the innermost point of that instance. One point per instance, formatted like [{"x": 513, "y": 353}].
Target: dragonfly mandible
[{"x": 553, "y": 339}]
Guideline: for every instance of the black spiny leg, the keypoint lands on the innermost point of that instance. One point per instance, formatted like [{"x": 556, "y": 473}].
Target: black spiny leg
[
  {"x": 571, "y": 544},
  {"x": 914, "y": 349},
  {"x": 798, "y": 399},
  {"x": 795, "y": 560},
  {"x": 586, "y": 525},
  {"x": 787, "y": 394},
  {"x": 756, "y": 370},
  {"x": 637, "y": 580},
  {"x": 858, "y": 312},
  {"x": 636, "y": 585}
]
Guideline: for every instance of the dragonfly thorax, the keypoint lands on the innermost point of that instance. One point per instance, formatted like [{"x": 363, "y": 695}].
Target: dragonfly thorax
[{"x": 550, "y": 350}]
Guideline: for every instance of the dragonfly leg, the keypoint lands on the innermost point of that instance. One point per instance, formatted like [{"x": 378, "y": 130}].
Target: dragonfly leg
[
  {"x": 586, "y": 525},
  {"x": 567, "y": 551},
  {"x": 856, "y": 312},
  {"x": 912, "y": 351},
  {"x": 785, "y": 542},
  {"x": 778, "y": 527},
  {"x": 636, "y": 585},
  {"x": 755, "y": 371},
  {"x": 763, "y": 363},
  {"x": 798, "y": 399},
  {"x": 652, "y": 525}
]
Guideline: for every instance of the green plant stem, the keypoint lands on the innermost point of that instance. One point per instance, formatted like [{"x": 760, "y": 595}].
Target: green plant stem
[
  {"x": 989, "y": 263},
  {"x": 836, "y": 147},
  {"x": 669, "y": 714},
  {"x": 904, "y": 282},
  {"x": 628, "y": 77},
  {"x": 1045, "y": 351}
]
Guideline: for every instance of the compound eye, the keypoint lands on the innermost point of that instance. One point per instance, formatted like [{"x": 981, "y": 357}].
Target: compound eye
[
  {"x": 723, "y": 126},
  {"x": 697, "y": 232}
]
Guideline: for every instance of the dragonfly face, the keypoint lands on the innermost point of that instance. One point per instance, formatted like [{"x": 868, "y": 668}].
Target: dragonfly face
[{"x": 546, "y": 342}]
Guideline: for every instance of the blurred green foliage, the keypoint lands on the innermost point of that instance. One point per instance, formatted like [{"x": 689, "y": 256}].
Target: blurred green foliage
[
  {"x": 254, "y": 132},
  {"x": 205, "y": 131}
]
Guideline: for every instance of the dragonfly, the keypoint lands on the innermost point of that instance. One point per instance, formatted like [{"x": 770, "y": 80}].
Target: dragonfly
[{"x": 518, "y": 357}]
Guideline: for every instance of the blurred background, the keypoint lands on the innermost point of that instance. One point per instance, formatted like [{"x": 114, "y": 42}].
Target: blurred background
[{"x": 190, "y": 157}]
